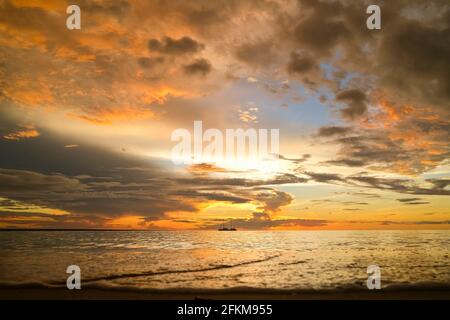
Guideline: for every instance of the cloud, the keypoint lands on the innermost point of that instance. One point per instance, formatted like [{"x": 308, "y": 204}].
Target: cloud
[
  {"x": 240, "y": 190},
  {"x": 273, "y": 200},
  {"x": 346, "y": 162},
  {"x": 94, "y": 186},
  {"x": 212, "y": 196},
  {"x": 115, "y": 8},
  {"x": 404, "y": 149},
  {"x": 94, "y": 196},
  {"x": 256, "y": 54},
  {"x": 29, "y": 132},
  {"x": 261, "y": 221},
  {"x": 356, "y": 103},
  {"x": 431, "y": 222},
  {"x": 285, "y": 178},
  {"x": 325, "y": 177},
  {"x": 301, "y": 64},
  {"x": 148, "y": 63},
  {"x": 171, "y": 46},
  {"x": 329, "y": 131},
  {"x": 320, "y": 31},
  {"x": 397, "y": 185},
  {"x": 408, "y": 199},
  {"x": 416, "y": 203},
  {"x": 22, "y": 181},
  {"x": 204, "y": 168},
  {"x": 304, "y": 158},
  {"x": 199, "y": 67},
  {"x": 408, "y": 186},
  {"x": 360, "y": 194},
  {"x": 249, "y": 113}
]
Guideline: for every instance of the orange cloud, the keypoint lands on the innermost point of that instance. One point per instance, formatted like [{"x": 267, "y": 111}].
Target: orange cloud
[
  {"x": 105, "y": 116},
  {"x": 51, "y": 5},
  {"x": 30, "y": 132},
  {"x": 204, "y": 168}
]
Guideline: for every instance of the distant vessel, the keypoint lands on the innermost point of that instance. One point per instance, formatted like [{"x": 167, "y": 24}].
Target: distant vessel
[{"x": 223, "y": 228}]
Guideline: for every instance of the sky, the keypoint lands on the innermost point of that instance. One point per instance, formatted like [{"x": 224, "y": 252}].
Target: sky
[{"x": 86, "y": 116}]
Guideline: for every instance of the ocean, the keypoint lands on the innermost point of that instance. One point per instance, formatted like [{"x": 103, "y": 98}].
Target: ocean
[{"x": 204, "y": 260}]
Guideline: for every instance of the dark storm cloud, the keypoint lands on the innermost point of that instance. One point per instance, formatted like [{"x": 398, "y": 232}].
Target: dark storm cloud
[
  {"x": 257, "y": 54},
  {"x": 199, "y": 67},
  {"x": 22, "y": 181},
  {"x": 114, "y": 198},
  {"x": 421, "y": 40},
  {"x": 405, "y": 64},
  {"x": 86, "y": 181},
  {"x": 356, "y": 103},
  {"x": 86, "y": 160},
  {"x": 172, "y": 46},
  {"x": 329, "y": 131},
  {"x": 146, "y": 62},
  {"x": 424, "y": 50},
  {"x": 320, "y": 31},
  {"x": 301, "y": 64}
]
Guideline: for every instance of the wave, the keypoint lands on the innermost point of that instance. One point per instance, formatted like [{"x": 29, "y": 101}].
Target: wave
[
  {"x": 158, "y": 273},
  {"x": 398, "y": 287}
]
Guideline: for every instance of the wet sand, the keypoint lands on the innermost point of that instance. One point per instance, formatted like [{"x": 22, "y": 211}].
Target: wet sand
[{"x": 107, "y": 294}]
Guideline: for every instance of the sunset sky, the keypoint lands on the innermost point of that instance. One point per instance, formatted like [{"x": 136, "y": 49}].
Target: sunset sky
[{"x": 86, "y": 115}]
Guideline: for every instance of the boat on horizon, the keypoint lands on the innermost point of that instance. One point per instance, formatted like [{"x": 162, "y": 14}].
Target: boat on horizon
[{"x": 223, "y": 228}]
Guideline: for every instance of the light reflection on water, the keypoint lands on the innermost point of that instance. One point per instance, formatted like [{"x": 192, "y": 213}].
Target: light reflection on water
[{"x": 211, "y": 259}]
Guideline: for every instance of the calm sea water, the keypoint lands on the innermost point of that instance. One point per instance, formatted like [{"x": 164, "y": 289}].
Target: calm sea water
[{"x": 218, "y": 260}]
